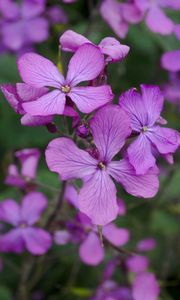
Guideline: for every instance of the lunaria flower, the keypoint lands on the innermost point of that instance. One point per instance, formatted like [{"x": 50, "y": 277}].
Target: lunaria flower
[
  {"x": 86, "y": 64},
  {"x": 145, "y": 286},
  {"x": 97, "y": 199},
  {"x": 28, "y": 159},
  {"x": 144, "y": 111},
  {"x": 110, "y": 47},
  {"x": 23, "y": 217}
]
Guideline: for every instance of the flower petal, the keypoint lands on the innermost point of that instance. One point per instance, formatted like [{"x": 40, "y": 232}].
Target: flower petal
[
  {"x": 147, "y": 244},
  {"x": 29, "y": 159},
  {"x": 50, "y": 104},
  {"x": 145, "y": 186},
  {"x": 91, "y": 251},
  {"x": 110, "y": 127},
  {"x": 115, "y": 235},
  {"x": 140, "y": 155},
  {"x": 90, "y": 98},
  {"x": 33, "y": 204},
  {"x": 12, "y": 241},
  {"x": 28, "y": 92},
  {"x": 65, "y": 158},
  {"x": 10, "y": 212},
  {"x": 62, "y": 237},
  {"x": 146, "y": 287},
  {"x": 71, "y": 195},
  {"x": 39, "y": 71},
  {"x": 171, "y": 61},
  {"x": 37, "y": 240},
  {"x": 37, "y": 30},
  {"x": 86, "y": 64},
  {"x": 137, "y": 263},
  {"x": 28, "y": 120},
  {"x": 71, "y": 40},
  {"x": 97, "y": 199},
  {"x": 10, "y": 93},
  {"x": 158, "y": 22}
]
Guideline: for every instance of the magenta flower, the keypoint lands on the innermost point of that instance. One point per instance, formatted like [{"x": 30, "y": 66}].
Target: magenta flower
[
  {"x": 86, "y": 64},
  {"x": 17, "y": 94},
  {"x": 137, "y": 263},
  {"x": 97, "y": 199},
  {"x": 146, "y": 287},
  {"x": 28, "y": 159},
  {"x": 171, "y": 89},
  {"x": 110, "y": 47},
  {"x": 23, "y": 217},
  {"x": 147, "y": 244},
  {"x": 171, "y": 61},
  {"x": 144, "y": 111},
  {"x": 156, "y": 19}
]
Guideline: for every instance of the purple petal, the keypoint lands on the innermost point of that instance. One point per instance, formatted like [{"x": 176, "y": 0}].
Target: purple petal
[
  {"x": 71, "y": 40},
  {"x": 122, "y": 207},
  {"x": 158, "y": 22},
  {"x": 97, "y": 199},
  {"x": 28, "y": 120},
  {"x": 131, "y": 13},
  {"x": 86, "y": 64},
  {"x": 14, "y": 178},
  {"x": 13, "y": 35},
  {"x": 62, "y": 237},
  {"x": 31, "y": 9},
  {"x": 166, "y": 140},
  {"x": 137, "y": 263},
  {"x": 65, "y": 158},
  {"x": 146, "y": 287},
  {"x": 57, "y": 15},
  {"x": 50, "y": 104},
  {"x": 71, "y": 195},
  {"x": 177, "y": 31},
  {"x": 110, "y": 127},
  {"x": 140, "y": 154},
  {"x": 9, "y": 9},
  {"x": 29, "y": 159},
  {"x": 113, "y": 49},
  {"x": 91, "y": 251},
  {"x": 171, "y": 61},
  {"x": 116, "y": 236},
  {"x": 145, "y": 186},
  {"x": 10, "y": 212},
  {"x": 146, "y": 244},
  {"x": 33, "y": 205},
  {"x": 39, "y": 71},
  {"x": 37, "y": 30},
  {"x": 37, "y": 240},
  {"x": 89, "y": 98},
  {"x": 12, "y": 241},
  {"x": 10, "y": 93},
  {"x": 28, "y": 92}
]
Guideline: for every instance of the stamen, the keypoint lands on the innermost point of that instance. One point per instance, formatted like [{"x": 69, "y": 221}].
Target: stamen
[
  {"x": 145, "y": 129},
  {"x": 101, "y": 165},
  {"x": 23, "y": 225},
  {"x": 65, "y": 89}
]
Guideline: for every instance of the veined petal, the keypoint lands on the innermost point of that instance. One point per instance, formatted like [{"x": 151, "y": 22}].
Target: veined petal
[
  {"x": 10, "y": 212},
  {"x": 71, "y": 40},
  {"x": 37, "y": 240},
  {"x": 12, "y": 241},
  {"x": 146, "y": 287},
  {"x": 158, "y": 22},
  {"x": 113, "y": 49},
  {"x": 86, "y": 64},
  {"x": 110, "y": 127},
  {"x": 91, "y": 252},
  {"x": 140, "y": 154},
  {"x": 65, "y": 158},
  {"x": 10, "y": 93},
  {"x": 145, "y": 186},
  {"x": 39, "y": 71},
  {"x": 28, "y": 92},
  {"x": 97, "y": 199},
  {"x": 32, "y": 206},
  {"x": 115, "y": 235},
  {"x": 28, "y": 120},
  {"x": 52, "y": 103},
  {"x": 90, "y": 98}
]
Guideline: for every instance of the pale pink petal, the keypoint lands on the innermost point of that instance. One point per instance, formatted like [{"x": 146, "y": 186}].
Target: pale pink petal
[
  {"x": 110, "y": 127},
  {"x": 86, "y": 64},
  {"x": 171, "y": 60},
  {"x": 115, "y": 235},
  {"x": 91, "y": 251},
  {"x": 28, "y": 120},
  {"x": 37, "y": 240},
  {"x": 12, "y": 241},
  {"x": 114, "y": 50},
  {"x": 71, "y": 40},
  {"x": 33, "y": 204},
  {"x": 39, "y": 71},
  {"x": 97, "y": 199},
  {"x": 158, "y": 22},
  {"x": 145, "y": 186},
  {"x": 65, "y": 158},
  {"x": 52, "y": 103},
  {"x": 10, "y": 212},
  {"x": 89, "y": 98},
  {"x": 146, "y": 287},
  {"x": 140, "y": 154}
]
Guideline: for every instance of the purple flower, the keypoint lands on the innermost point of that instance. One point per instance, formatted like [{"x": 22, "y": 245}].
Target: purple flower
[
  {"x": 23, "y": 217},
  {"x": 57, "y": 15},
  {"x": 17, "y": 94},
  {"x": 146, "y": 287},
  {"x": 147, "y": 244},
  {"x": 97, "y": 199},
  {"x": 119, "y": 15},
  {"x": 110, "y": 47},
  {"x": 144, "y": 111},
  {"x": 171, "y": 61},
  {"x": 28, "y": 159},
  {"x": 137, "y": 263},
  {"x": 86, "y": 64},
  {"x": 177, "y": 30},
  {"x": 171, "y": 89},
  {"x": 62, "y": 237},
  {"x": 155, "y": 17}
]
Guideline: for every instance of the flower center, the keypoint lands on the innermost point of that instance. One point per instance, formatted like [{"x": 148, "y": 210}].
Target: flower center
[
  {"x": 101, "y": 165},
  {"x": 65, "y": 89},
  {"x": 23, "y": 225},
  {"x": 145, "y": 129}
]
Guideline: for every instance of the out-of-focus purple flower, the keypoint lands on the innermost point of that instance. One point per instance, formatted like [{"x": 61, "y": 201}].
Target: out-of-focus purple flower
[
  {"x": 146, "y": 287},
  {"x": 23, "y": 217},
  {"x": 137, "y": 263},
  {"x": 155, "y": 18},
  {"x": 147, "y": 244},
  {"x": 17, "y": 94},
  {"x": 23, "y": 24},
  {"x": 110, "y": 127},
  {"x": 28, "y": 159},
  {"x": 69, "y": 1},
  {"x": 86, "y": 64},
  {"x": 57, "y": 15},
  {"x": 171, "y": 89},
  {"x": 122, "y": 207},
  {"x": 144, "y": 111},
  {"x": 171, "y": 61},
  {"x": 110, "y": 47},
  {"x": 177, "y": 31},
  {"x": 71, "y": 195},
  {"x": 119, "y": 15},
  {"x": 62, "y": 237}
]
